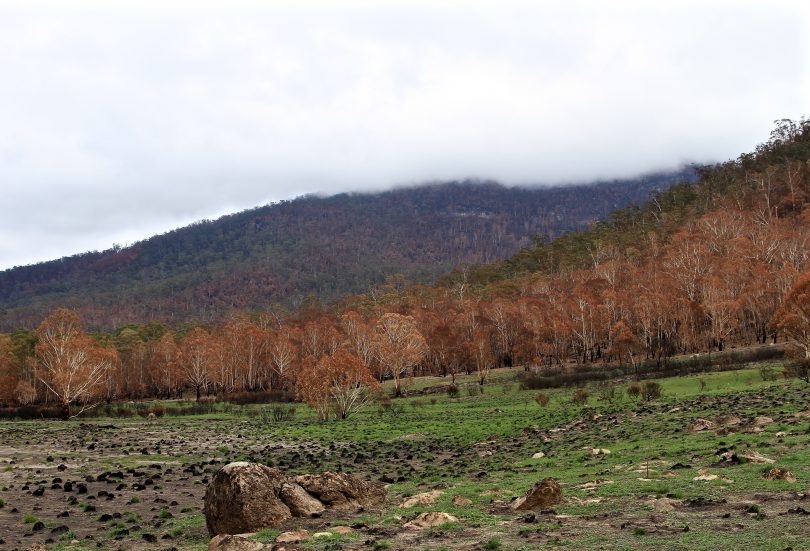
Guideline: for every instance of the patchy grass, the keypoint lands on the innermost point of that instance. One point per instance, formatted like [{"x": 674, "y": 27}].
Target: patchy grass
[{"x": 478, "y": 446}]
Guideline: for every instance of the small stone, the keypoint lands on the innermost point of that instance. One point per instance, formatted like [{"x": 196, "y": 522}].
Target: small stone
[
  {"x": 293, "y": 536},
  {"x": 227, "y": 542},
  {"x": 423, "y": 500},
  {"x": 701, "y": 424},
  {"x": 762, "y": 421},
  {"x": 429, "y": 520},
  {"x": 780, "y": 474},
  {"x": 756, "y": 457}
]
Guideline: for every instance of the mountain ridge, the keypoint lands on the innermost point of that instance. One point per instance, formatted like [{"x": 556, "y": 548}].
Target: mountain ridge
[{"x": 327, "y": 246}]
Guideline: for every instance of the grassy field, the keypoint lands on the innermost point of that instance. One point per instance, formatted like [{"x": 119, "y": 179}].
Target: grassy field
[{"x": 479, "y": 445}]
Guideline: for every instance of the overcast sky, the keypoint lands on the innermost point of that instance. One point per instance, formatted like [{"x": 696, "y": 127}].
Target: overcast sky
[{"x": 123, "y": 119}]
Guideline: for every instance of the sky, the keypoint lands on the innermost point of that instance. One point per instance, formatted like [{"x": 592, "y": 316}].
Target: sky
[{"x": 120, "y": 120}]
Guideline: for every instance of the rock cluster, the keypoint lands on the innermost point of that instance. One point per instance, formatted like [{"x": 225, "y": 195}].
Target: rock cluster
[{"x": 246, "y": 497}]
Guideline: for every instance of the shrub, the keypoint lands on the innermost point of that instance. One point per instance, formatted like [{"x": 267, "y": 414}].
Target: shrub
[
  {"x": 542, "y": 399},
  {"x": 281, "y": 412},
  {"x": 651, "y": 391},
  {"x": 768, "y": 373},
  {"x": 387, "y": 406},
  {"x": 452, "y": 391},
  {"x": 634, "y": 390},
  {"x": 798, "y": 369},
  {"x": 609, "y": 394},
  {"x": 580, "y": 396}
]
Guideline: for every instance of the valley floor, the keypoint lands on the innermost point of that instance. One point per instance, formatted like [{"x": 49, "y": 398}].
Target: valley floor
[{"x": 665, "y": 484}]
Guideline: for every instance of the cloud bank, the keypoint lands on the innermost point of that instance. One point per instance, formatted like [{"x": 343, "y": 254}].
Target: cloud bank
[{"x": 121, "y": 120}]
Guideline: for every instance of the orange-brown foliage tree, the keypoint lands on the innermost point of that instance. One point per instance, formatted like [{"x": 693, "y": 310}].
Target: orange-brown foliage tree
[
  {"x": 399, "y": 345},
  {"x": 793, "y": 318},
  {"x": 338, "y": 383},
  {"x": 71, "y": 365}
]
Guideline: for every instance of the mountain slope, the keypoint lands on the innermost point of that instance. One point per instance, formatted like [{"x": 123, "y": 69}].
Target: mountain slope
[
  {"x": 768, "y": 185},
  {"x": 327, "y": 246}
]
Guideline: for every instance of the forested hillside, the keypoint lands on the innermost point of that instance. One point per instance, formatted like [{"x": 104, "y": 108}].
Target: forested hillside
[
  {"x": 321, "y": 246},
  {"x": 702, "y": 267}
]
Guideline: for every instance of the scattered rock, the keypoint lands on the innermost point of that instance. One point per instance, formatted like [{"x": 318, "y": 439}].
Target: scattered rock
[
  {"x": 542, "y": 495},
  {"x": 423, "y": 500},
  {"x": 701, "y": 424},
  {"x": 341, "y": 490},
  {"x": 322, "y": 535},
  {"x": 429, "y": 520},
  {"x": 293, "y": 537},
  {"x": 600, "y": 451},
  {"x": 780, "y": 474},
  {"x": 538, "y": 455},
  {"x": 227, "y": 542},
  {"x": 728, "y": 420},
  {"x": 301, "y": 503},
  {"x": 662, "y": 505},
  {"x": 756, "y": 457}
]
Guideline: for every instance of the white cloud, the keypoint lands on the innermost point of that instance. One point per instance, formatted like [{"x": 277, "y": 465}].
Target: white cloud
[{"x": 118, "y": 120}]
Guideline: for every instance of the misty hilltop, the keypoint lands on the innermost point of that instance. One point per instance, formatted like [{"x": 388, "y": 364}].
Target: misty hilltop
[{"x": 312, "y": 246}]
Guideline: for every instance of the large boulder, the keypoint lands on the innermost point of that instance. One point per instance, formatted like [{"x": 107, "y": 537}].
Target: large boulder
[
  {"x": 342, "y": 491},
  {"x": 542, "y": 495},
  {"x": 244, "y": 497}
]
